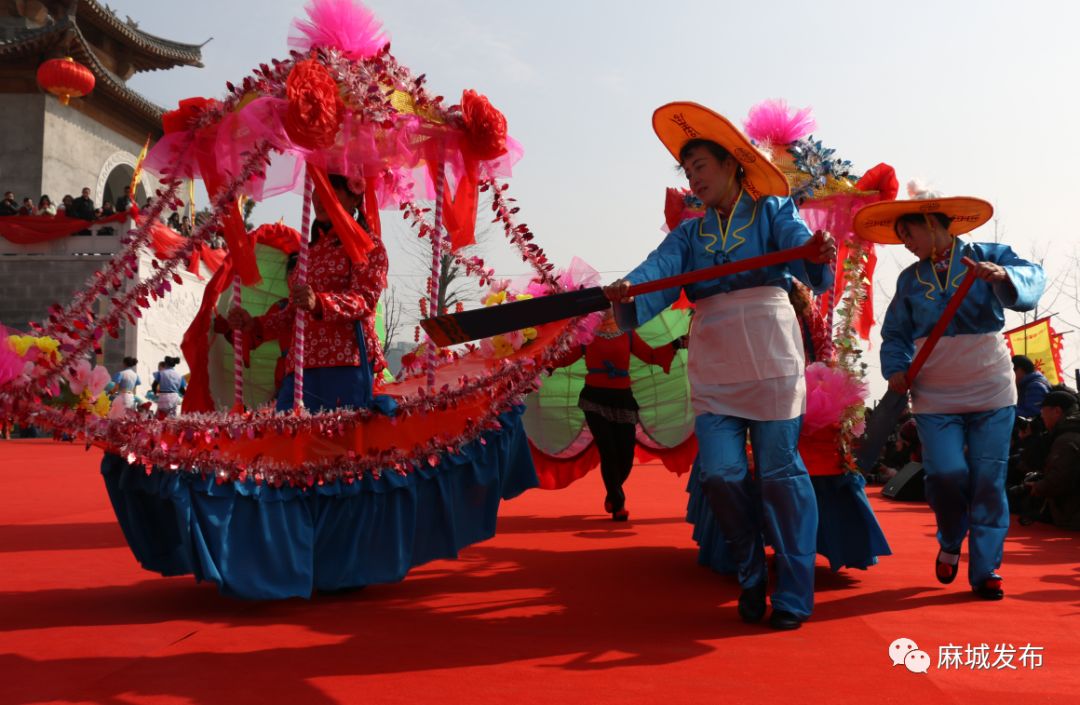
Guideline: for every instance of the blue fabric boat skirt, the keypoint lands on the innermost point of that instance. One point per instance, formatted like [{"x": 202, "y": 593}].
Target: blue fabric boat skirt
[
  {"x": 261, "y": 542},
  {"x": 849, "y": 535}
]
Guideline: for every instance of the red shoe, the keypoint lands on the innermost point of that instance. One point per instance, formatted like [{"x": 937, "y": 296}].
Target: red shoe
[
  {"x": 990, "y": 589},
  {"x": 946, "y": 566},
  {"x": 621, "y": 515}
]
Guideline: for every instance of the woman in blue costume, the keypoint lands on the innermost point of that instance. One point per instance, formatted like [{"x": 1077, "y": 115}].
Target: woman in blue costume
[
  {"x": 746, "y": 361},
  {"x": 263, "y": 542},
  {"x": 964, "y": 418}
]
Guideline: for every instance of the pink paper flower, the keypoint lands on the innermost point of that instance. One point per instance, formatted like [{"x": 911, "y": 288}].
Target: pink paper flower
[{"x": 91, "y": 379}]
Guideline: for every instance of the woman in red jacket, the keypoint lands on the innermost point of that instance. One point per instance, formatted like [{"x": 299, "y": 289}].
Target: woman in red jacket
[
  {"x": 342, "y": 355},
  {"x": 611, "y": 411}
]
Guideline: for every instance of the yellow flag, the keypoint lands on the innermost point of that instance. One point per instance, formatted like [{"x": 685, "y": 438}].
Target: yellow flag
[
  {"x": 136, "y": 176},
  {"x": 1036, "y": 341}
]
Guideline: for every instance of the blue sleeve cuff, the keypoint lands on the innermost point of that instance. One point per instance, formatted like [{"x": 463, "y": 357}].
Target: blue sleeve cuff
[
  {"x": 626, "y": 315},
  {"x": 1006, "y": 293}
]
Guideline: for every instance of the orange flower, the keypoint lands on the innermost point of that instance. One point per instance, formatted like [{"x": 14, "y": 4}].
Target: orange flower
[
  {"x": 485, "y": 127},
  {"x": 315, "y": 110}
]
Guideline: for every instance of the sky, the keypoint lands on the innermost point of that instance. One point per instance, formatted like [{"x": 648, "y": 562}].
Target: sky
[{"x": 975, "y": 98}]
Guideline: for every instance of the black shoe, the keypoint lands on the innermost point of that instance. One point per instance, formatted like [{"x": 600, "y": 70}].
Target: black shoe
[
  {"x": 990, "y": 589},
  {"x": 621, "y": 515},
  {"x": 946, "y": 572},
  {"x": 784, "y": 620},
  {"x": 752, "y": 603}
]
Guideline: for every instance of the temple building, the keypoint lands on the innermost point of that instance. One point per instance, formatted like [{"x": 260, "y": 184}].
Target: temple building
[
  {"x": 94, "y": 141},
  {"x": 49, "y": 148}
]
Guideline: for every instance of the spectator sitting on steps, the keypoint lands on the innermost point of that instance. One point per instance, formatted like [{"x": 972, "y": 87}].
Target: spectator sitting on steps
[{"x": 1060, "y": 481}]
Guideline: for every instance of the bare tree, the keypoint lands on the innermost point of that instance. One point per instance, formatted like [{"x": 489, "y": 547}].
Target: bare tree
[
  {"x": 450, "y": 284},
  {"x": 453, "y": 286},
  {"x": 392, "y": 314}
]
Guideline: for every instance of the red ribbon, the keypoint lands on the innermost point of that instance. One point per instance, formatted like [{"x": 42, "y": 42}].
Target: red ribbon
[{"x": 354, "y": 239}]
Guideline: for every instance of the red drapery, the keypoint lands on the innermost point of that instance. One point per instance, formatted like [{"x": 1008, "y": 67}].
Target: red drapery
[{"x": 35, "y": 229}]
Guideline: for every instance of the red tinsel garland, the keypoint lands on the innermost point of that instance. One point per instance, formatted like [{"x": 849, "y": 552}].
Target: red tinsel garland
[{"x": 147, "y": 440}]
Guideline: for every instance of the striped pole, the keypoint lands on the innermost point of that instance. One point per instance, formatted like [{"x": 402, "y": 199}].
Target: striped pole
[
  {"x": 238, "y": 352},
  {"x": 301, "y": 315},
  {"x": 436, "y": 268}
]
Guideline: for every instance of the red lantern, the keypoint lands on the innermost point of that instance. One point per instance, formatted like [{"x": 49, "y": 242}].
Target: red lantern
[{"x": 65, "y": 78}]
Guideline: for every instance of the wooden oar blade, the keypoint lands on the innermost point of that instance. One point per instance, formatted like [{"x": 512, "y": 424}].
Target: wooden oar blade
[
  {"x": 882, "y": 423},
  {"x": 454, "y": 328}
]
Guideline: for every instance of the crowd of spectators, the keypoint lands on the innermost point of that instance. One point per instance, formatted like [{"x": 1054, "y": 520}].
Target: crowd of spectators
[
  {"x": 84, "y": 208},
  {"x": 1043, "y": 476}
]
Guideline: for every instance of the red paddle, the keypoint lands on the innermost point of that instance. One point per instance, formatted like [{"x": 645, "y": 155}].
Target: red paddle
[{"x": 883, "y": 420}]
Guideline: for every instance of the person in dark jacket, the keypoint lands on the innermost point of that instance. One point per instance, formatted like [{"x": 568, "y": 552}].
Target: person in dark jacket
[
  {"x": 1031, "y": 387},
  {"x": 125, "y": 202},
  {"x": 1060, "y": 481},
  {"x": 9, "y": 206},
  {"x": 82, "y": 207}
]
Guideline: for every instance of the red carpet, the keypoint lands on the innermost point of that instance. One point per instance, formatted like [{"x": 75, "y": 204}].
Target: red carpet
[{"x": 563, "y": 606}]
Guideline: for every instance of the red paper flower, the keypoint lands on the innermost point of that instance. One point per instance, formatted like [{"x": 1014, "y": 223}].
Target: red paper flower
[
  {"x": 485, "y": 127},
  {"x": 315, "y": 110},
  {"x": 182, "y": 118},
  {"x": 882, "y": 178}
]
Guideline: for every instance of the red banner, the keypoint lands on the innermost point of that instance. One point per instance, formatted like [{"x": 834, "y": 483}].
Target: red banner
[{"x": 35, "y": 229}]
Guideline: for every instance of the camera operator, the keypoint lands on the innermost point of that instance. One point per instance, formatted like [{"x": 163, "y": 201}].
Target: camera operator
[{"x": 1059, "y": 482}]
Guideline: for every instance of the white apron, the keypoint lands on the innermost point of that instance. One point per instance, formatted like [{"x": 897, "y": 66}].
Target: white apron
[
  {"x": 964, "y": 374},
  {"x": 168, "y": 403},
  {"x": 746, "y": 356}
]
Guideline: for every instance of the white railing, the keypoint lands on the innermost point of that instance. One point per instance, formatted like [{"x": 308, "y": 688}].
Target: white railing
[{"x": 103, "y": 239}]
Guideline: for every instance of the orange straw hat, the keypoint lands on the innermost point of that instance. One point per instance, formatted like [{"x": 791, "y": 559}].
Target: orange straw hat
[
  {"x": 877, "y": 221},
  {"x": 678, "y": 123}
]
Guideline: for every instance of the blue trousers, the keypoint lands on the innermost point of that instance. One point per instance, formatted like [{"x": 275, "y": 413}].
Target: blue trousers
[
  {"x": 327, "y": 388},
  {"x": 777, "y": 503},
  {"x": 966, "y": 457}
]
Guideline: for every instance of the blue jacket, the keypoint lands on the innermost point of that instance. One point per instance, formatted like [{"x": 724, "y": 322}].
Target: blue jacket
[
  {"x": 1033, "y": 388},
  {"x": 755, "y": 228},
  {"x": 920, "y": 300}
]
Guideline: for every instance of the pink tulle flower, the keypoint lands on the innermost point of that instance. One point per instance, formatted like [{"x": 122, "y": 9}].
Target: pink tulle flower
[
  {"x": 536, "y": 288},
  {"x": 394, "y": 186},
  {"x": 771, "y": 121},
  {"x": 578, "y": 275},
  {"x": 341, "y": 24},
  {"x": 829, "y": 392}
]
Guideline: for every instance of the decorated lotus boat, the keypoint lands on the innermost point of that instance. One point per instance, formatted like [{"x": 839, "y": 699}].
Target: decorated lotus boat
[{"x": 268, "y": 504}]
